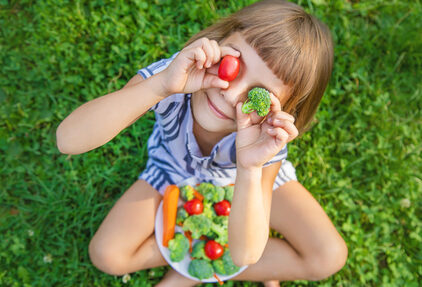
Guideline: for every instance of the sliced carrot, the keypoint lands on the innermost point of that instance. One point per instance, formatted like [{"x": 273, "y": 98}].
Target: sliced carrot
[
  {"x": 198, "y": 195},
  {"x": 203, "y": 237},
  {"x": 188, "y": 235},
  {"x": 171, "y": 196},
  {"x": 226, "y": 245},
  {"x": 218, "y": 279}
]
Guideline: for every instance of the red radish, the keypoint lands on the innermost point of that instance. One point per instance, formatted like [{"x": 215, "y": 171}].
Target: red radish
[
  {"x": 213, "y": 250},
  {"x": 229, "y": 68}
]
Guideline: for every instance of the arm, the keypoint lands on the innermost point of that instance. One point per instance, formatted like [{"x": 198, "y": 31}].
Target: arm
[
  {"x": 98, "y": 121},
  {"x": 257, "y": 142},
  {"x": 250, "y": 213}
]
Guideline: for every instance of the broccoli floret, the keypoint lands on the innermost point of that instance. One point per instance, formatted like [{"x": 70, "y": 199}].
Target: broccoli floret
[
  {"x": 198, "y": 251},
  {"x": 219, "y": 266},
  {"x": 228, "y": 264},
  {"x": 198, "y": 225},
  {"x": 258, "y": 100},
  {"x": 210, "y": 192},
  {"x": 182, "y": 214},
  {"x": 178, "y": 247},
  {"x": 218, "y": 230},
  {"x": 221, "y": 220},
  {"x": 200, "y": 269},
  {"x": 229, "y": 192},
  {"x": 186, "y": 192},
  {"x": 225, "y": 265},
  {"x": 209, "y": 210}
]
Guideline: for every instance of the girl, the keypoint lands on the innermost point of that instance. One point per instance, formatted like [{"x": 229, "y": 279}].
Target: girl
[{"x": 201, "y": 132}]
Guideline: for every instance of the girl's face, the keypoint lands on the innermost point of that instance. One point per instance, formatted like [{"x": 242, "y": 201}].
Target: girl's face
[{"x": 214, "y": 109}]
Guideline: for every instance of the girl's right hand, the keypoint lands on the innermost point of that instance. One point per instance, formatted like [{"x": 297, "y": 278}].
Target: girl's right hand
[{"x": 187, "y": 73}]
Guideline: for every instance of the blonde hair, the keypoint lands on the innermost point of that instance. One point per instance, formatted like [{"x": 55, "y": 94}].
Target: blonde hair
[{"x": 296, "y": 46}]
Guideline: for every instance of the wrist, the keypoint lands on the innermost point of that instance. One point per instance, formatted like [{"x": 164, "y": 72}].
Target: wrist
[
  {"x": 159, "y": 83},
  {"x": 249, "y": 173}
]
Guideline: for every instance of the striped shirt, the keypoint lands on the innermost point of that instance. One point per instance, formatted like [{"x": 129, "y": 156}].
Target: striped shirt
[{"x": 174, "y": 155}]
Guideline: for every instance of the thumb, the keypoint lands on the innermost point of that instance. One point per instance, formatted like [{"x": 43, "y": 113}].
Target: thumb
[
  {"x": 242, "y": 120},
  {"x": 213, "y": 81}
]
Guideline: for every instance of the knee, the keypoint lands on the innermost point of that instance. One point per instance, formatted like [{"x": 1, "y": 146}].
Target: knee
[
  {"x": 106, "y": 259},
  {"x": 328, "y": 261}
]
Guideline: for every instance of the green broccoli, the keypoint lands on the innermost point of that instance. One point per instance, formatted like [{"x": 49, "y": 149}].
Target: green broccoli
[
  {"x": 219, "y": 231},
  {"x": 186, "y": 192},
  {"x": 210, "y": 192},
  {"x": 198, "y": 251},
  {"x": 198, "y": 225},
  {"x": 225, "y": 265},
  {"x": 258, "y": 100},
  {"x": 219, "y": 266},
  {"x": 229, "y": 192},
  {"x": 200, "y": 269},
  {"x": 178, "y": 247},
  {"x": 182, "y": 214},
  {"x": 209, "y": 210}
]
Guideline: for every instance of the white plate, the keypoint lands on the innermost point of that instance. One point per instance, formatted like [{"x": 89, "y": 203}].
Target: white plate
[{"x": 182, "y": 266}]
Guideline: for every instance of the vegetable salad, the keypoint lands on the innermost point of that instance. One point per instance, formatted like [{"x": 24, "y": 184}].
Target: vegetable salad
[{"x": 204, "y": 221}]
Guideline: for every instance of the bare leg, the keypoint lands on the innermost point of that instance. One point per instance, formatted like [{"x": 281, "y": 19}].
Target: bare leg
[
  {"x": 125, "y": 241},
  {"x": 312, "y": 248}
]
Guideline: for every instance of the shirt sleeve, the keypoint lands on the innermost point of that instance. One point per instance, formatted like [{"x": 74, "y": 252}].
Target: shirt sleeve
[{"x": 153, "y": 69}]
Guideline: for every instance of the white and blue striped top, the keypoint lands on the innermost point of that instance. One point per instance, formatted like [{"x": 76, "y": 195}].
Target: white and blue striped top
[{"x": 174, "y": 155}]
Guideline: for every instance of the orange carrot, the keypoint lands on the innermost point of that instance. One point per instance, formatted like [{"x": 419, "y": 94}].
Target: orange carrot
[
  {"x": 188, "y": 235},
  {"x": 198, "y": 195},
  {"x": 218, "y": 279},
  {"x": 171, "y": 196}
]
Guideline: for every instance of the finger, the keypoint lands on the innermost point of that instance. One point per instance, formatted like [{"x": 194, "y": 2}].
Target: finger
[
  {"x": 280, "y": 116},
  {"x": 280, "y": 135},
  {"x": 209, "y": 52},
  {"x": 288, "y": 126},
  {"x": 255, "y": 118},
  {"x": 217, "y": 51},
  {"x": 275, "y": 103},
  {"x": 242, "y": 120},
  {"x": 226, "y": 50},
  {"x": 198, "y": 56},
  {"x": 213, "y": 81}
]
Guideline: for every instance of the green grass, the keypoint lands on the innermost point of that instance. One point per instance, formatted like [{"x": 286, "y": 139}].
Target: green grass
[{"x": 361, "y": 160}]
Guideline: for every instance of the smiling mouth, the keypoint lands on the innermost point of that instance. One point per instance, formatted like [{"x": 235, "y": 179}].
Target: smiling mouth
[{"x": 216, "y": 111}]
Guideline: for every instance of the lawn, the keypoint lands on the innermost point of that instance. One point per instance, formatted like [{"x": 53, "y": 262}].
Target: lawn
[{"x": 361, "y": 159}]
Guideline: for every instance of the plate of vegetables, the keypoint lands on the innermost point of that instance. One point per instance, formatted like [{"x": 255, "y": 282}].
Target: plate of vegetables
[{"x": 191, "y": 229}]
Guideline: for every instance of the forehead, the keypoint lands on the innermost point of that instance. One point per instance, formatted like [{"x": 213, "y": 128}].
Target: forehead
[{"x": 255, "y": 68}]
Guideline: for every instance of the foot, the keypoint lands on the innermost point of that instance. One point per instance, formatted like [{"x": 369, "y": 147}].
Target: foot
[{"x": 271, "y": 283}]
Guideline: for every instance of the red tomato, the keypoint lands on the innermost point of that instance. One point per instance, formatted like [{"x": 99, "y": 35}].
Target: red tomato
[
  {"x": 194, "y": 206},
  {"x": 213, "y": 250},
  {"x": 222, "y": 207},
  {"x": 229, "y": 68}
]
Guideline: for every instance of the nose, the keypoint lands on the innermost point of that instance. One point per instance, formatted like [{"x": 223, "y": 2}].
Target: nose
[{"x": 236, "y": 92}]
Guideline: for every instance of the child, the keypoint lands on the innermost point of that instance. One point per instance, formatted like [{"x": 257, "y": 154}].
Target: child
[{"x": 201, "y": 132}]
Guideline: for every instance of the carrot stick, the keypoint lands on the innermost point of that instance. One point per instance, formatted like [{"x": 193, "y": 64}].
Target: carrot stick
[
  {"x": 189, "y": 237},
  {"x": 171, "y": 196},
  {"x": 198, "y": 195},
  {"x": 218, "y": 279}
]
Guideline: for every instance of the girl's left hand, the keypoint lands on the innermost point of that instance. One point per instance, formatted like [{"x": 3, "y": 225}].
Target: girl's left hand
[{"x": 256, "y": 142}]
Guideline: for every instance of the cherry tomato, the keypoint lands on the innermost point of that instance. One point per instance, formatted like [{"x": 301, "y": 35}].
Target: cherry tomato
[
  {"x": 194, "y": 206},
  {"x": 229, "y": 68},
  {"x": 222, "y": 207},
  {"x": 213, "y": 250}
]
